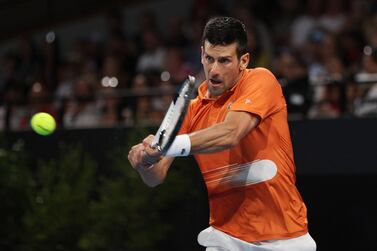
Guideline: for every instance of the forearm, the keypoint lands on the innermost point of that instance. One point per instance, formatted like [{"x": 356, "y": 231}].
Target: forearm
[
  {"x": 155, "y": 174},
  {"x": 152, "y": 167},
  {"x": 213, "y": 139},
  {"x": 223, "y": 135}
]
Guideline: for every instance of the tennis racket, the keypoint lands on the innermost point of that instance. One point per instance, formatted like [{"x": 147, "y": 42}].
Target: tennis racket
[{"x": 174, "y": 117}]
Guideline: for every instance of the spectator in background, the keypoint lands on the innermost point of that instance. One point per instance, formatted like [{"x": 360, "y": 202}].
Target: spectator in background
[
  {"x": 326, "y": 75},
  {"x": 145, "y": 114},
  {"x": 314, "y": 60},
  {"x": 154, "y": 53},
  {"x": 66, "y": 79},
  {"x": 292, "y": 75},
  {"x": 366, "y": 103},
  {"x": 116, "y": 73},
  {"x": 109, "y": 106},
  {"x": 329, "y": 36},
  {"x": 112, "y": 68},
  {"x": 162, "y": 102},
  {"x": 334, "y": 17},
  {"x": 304, "y": 23},
  {"x": 81, "y": 110},
  {"x": 126, "y": 52},
  {"x": 88, "y": 54},
  {"x": 151, "y": 51},
  {"x": 119, "y": 44},
  {"x": 176, "y": 67}
]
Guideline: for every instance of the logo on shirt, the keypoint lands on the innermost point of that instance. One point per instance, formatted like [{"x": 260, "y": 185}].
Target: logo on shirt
[
  {"x": 240, "y": 175},
  {"x": 247, "y": 101},
  {"x": 229, "y": 106}
]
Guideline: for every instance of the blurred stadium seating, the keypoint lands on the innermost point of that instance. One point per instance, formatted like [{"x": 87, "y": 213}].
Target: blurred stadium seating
[{"x": 89, "y": 63}]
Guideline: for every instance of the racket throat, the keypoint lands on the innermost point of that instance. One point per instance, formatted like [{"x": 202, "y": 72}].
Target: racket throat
[{"x": 160, "y": 139}]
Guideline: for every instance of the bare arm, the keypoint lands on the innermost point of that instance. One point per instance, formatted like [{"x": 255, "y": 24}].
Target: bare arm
[
  {"x": 156, "y": 174},
  {"x": 153, "y": 168},
  {"x": 223, "y": 135}
]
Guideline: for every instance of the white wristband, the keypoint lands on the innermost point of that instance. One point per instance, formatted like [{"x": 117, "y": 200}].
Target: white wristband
[{"x": 181, "y": 146}]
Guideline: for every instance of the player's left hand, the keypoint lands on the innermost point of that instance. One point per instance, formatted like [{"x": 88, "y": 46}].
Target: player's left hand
[
  {"x": 142, "y": 156},
  {"x": 135, "y": 156}
]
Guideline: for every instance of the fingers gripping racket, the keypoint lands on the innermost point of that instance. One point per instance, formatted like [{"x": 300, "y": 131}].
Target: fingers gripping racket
[{"x": 174, "y": 117}]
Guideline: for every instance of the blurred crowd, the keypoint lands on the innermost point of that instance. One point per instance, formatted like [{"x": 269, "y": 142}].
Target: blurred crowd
[{"x": 324, "y": 53}]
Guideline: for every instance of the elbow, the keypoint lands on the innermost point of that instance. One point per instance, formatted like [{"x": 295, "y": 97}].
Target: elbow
[
  {"x": 231, "y": 142},
  {"x": 153, "y": 184},
  {"x": 154, "y": 176},
  {"x": 232, "y": 137}
]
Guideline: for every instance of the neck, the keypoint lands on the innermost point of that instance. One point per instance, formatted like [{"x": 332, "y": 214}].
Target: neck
[{"x": 208, "y": 94}]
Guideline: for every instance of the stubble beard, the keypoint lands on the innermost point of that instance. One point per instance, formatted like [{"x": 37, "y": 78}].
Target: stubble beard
[{"x": 214, "y": 92}]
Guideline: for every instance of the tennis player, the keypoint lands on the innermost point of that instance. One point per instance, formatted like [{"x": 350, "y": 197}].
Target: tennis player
[{"x": 237, "y": 130}]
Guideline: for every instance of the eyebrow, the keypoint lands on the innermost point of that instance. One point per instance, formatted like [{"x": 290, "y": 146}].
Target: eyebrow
[{"x": 221, "y": 57}]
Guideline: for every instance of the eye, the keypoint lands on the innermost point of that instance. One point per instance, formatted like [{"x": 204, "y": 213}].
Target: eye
[
  {"x": 224, "y": 60},
  {"x": 209, "y": 59}
]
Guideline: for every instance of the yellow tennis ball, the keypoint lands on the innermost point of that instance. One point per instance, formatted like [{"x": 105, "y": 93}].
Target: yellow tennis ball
[{"x": 43, "y": 123}]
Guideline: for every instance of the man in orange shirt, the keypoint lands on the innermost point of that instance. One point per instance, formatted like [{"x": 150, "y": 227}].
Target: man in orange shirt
[{"x": 238, "y": 132}]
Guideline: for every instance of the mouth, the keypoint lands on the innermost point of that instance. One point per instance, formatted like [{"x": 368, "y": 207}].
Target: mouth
[{"x": 215, "y": 82}]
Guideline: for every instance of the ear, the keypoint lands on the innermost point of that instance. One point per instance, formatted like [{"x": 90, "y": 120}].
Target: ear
[
  {"x": 202, "y": 54},
  {"x": 244, "y": 61}
]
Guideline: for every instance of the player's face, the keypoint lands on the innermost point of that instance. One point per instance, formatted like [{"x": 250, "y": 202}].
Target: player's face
[{"x": 222, "y": 67}]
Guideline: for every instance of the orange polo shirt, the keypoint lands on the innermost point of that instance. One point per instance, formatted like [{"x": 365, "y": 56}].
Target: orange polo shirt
[{"x": 251, "y": 187}]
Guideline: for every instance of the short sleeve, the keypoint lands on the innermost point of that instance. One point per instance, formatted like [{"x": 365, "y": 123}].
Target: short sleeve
[{"x": 260, "y": 94}]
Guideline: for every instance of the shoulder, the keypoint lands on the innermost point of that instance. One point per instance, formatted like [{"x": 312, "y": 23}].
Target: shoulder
[
  {"x": 260, "y": 78},
  {"x": 260, "y": 72}
]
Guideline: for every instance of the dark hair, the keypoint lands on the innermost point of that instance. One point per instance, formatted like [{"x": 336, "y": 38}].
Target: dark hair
[{"x": 225, "y": 31}]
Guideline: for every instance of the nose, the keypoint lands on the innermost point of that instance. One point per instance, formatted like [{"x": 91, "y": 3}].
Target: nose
[{"x": 214, "y": 70}]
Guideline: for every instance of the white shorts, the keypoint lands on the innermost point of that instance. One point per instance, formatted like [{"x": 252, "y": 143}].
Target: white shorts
[{"x": 216, "y": 240}]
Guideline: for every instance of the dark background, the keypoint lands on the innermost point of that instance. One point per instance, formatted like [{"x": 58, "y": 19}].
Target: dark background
[
  {"x": 29, "y": 16},
  {"x": 103, "y": 204},
  {"x": 336, "y": 174}
]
